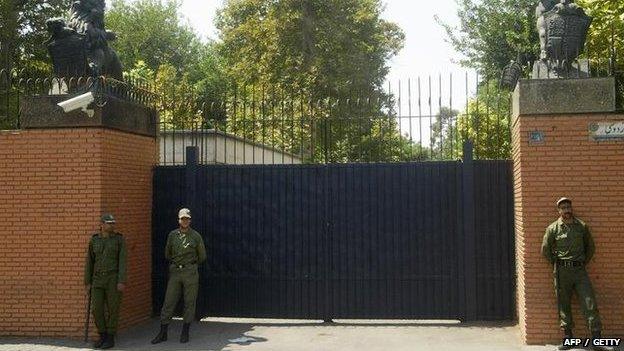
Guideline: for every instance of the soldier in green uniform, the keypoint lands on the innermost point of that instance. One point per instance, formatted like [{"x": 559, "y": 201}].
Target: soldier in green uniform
[
  {"x": 105, "y": 276},
  {"x": 185, "y": 251},
  {"x": 568, "y": 245}
]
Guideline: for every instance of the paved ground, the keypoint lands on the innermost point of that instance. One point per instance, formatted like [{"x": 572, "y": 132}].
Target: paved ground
[{"x": 277, "y": 335}]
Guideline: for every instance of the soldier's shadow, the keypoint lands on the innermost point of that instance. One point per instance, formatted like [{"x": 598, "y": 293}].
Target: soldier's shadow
[{"x": 204, "y": 335}]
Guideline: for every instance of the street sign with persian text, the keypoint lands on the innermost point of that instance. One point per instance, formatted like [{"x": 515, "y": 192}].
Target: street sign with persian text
[{"x": 606, "y": 130}]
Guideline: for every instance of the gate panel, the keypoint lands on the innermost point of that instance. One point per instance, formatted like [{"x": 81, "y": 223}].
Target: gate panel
[
  {"x": 343, "y": 240},
  {"x": 266, "y": 235},
  {"x": 495, "y": 251},
  {"x": 393, "y": 235},
  {"x": 168, "y": 197}
]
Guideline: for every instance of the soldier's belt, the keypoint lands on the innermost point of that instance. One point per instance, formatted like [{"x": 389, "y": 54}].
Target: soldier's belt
[
  {"x": 100, "y": 273},
  {"x": 566, "y": 263},
  {"x": 182, "y": 266}
]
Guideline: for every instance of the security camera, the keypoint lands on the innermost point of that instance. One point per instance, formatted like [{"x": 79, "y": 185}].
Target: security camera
[{"x": 78, "y": 102}]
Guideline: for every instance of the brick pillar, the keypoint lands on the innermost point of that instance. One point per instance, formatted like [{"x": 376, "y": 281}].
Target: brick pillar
[
  {"x": 54, "y": 184},
  {"x": 555, "y": 155}
]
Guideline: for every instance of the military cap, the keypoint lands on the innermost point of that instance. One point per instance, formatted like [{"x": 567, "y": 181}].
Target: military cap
[
  {"x": 184, "y": 213},
  {"x": 562, "y": 200},
  {"x": 108, "y": 218}
]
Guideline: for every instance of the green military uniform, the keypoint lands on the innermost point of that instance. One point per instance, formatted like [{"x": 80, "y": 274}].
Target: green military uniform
[
  {"x": 106, "y": 267},
  {"x": 569, "y": 247},
  {"x": 184, "y": 250}
]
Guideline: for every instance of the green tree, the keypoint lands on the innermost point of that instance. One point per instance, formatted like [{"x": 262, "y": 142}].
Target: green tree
[
  {"x": 23, "y": 30},
  {"x": 328, "y": 46},
  {"x": 443, "y": 137},
  {"x": 158, "y": 47},
  {"x": 8, "y": 28},
  {"x": 152, "y": 31},
  {"x": 486, "y": 121},
  {"x": 605, "y": 40},
  {"x": 491, "y": 33},
  {"x": 177, "y": 101},
  {"x": 22, "y": 48},
  {"x": 606, "y": 29},
  {"x": 322, "y": 53}
]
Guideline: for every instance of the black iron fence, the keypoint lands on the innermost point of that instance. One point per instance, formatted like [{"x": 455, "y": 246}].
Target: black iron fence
[
  {"x": 16, "y": 82},
  {"x": 426, "y": 118},
  {"x": 413, "y": 120}
]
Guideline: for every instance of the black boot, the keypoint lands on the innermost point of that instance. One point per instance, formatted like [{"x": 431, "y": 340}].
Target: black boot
[
  {"x": 109, "y": 342},
  {"x": 162, "y": 334},
  {"x": 184, "y": 336},
  {"x": 98, "y": 344},
  {"x": 567, "y": 334},
  {"x": 597, "y": 335}
]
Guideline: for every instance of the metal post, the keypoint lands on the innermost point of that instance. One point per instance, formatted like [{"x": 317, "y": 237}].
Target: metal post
[
  {"x": 191, "y": 169},
  {"x": 191, "y": 201},
  {"x": 470, "y": 264}
]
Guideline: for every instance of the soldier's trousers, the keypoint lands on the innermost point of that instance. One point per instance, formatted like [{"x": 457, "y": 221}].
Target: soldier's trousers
[
  {"x": 567, "y": 280},
  {"x": 105, "y": 302},
  {"x": 184, "y": 282}
]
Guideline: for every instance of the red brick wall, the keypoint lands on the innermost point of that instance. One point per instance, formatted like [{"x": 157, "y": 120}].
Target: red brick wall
[
  {"x": 591, "y": 173},
  {"x": 54, "y": 184},
  {"x": 127, "y": 183}
]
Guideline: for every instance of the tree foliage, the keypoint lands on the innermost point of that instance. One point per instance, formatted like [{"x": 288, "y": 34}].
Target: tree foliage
[
  {"x": 22, "y": 48},
  {"x": 153, "y": 32},
  {"x": 23, "y": 30},
  {"x": 486, "y": 121},
  {"x": 443, "y": 137},
  {"x": 325, "y": 55},
  {"x": 157, "y": 46},
  {"x": 328, "y": 46},
  {"x": 606, "y": 34},
  {"x": 491, "y": 33}
]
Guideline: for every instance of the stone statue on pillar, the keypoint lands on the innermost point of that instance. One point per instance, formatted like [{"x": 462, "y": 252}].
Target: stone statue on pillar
[
  {"x": 79, "y": 47},
  {"x": 562, "y": 26}
]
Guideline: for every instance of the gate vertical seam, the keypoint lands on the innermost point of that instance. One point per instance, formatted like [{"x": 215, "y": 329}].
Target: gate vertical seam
[
  {"x": 190, "y": 196},
  {"x": 468, "y": 195}
]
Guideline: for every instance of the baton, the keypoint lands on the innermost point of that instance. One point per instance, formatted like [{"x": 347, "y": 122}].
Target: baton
[
  {"x": 88, "y": 314},
  {"x": 557, "y": 287}
]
